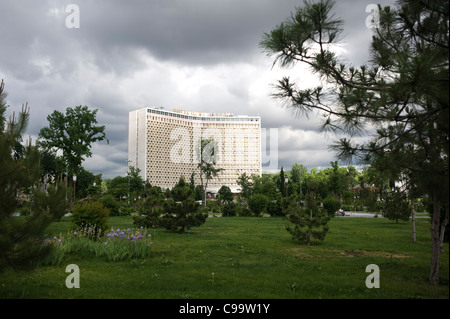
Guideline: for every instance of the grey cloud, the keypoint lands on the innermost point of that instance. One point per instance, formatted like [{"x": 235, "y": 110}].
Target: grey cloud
[{"x": 125, "y": 53}]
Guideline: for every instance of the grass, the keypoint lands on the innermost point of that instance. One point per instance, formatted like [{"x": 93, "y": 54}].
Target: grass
[{"x": 251, "y": 258}]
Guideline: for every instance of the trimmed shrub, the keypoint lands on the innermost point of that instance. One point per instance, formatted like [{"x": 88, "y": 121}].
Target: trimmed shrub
[{"x": 91, "y": 215}]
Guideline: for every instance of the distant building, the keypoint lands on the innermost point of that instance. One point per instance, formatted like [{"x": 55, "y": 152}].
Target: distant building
[{"x": 164, "y": 145}]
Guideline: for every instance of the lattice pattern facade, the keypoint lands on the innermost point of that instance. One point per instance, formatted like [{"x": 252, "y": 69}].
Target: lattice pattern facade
[{"x": 164, "y": 145}]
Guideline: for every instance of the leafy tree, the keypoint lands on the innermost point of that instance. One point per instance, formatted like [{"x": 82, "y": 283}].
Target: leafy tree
[
  {"x": 402, "y": 92},
  {"x": 269, "y": 188},
  {"x": 73, "y": 133},
  {"x": 135, "y": 181},
  {"x": 331, "y": 204},
  {"x": 21, "y": 240},
  {"x": 298, "y": 173},
  {"x": 246, "y": 185},
  {"x": 225, "y": 194},
  {"x": 118, "y": 186},
  {"x": 52, "y": 166},
  {"x": 85, "y": 179}
]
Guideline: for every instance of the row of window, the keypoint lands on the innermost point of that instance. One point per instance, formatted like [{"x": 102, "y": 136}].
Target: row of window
[{"x": 202, "y": 118}]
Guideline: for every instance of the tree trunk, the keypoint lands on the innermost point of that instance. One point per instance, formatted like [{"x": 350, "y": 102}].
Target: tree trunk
[
  {"x": 206, "y": 186},
  {"x": 308, "y": 235},
  {"x": 203, "y": 188},
  {"x": 70, "y": 193},
  {"x": 413, "y": 220},
  {"x": 442, "y": 233},
  {"x": 435, "y": 242}
]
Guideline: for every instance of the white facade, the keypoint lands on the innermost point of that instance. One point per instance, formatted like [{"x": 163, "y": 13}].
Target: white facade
[{"x": 163, "y": 144}]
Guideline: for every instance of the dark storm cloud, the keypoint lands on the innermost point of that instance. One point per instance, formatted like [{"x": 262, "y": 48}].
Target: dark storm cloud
[
  {"x": 199, "y": 32},
  {"x": 190, "y": 32},
  {"x": 200, "y": 55}
]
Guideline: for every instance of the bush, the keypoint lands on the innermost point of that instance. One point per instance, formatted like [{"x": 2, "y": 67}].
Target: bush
[
  {"x": 257, "y": 203},
  {"x": 348, "y": 208},
  {"x": 126, "y": 210},
  {"x": 244, "y": 211},
  {"x": 92, "y": 215},
  {"x": 229, "y": 209},
  {"x": 110, "y": 202},
  {"x": 274, "y": 208}
]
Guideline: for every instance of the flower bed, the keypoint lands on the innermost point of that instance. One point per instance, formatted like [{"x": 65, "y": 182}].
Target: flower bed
[{"x": 118, "y": 244}]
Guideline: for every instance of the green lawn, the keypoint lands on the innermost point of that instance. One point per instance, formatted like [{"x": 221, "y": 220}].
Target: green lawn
[{"x": 239, "y": 257}]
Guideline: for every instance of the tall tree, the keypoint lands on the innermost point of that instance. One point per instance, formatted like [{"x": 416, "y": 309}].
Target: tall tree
[
  {"x": 401, "y": 94},
  {"x": 282, "y": 183},
  {"x": 298, "y": 173},
  {"x": 21, "y": 240},
  {"x": 135, "y": 181},
  {"x": 53, "y": 168},
  {"x": 246, "y": 184},
  {"x": 74, "y": 133}
]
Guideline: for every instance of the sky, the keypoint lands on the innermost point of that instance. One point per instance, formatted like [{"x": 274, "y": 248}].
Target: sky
[{"x": 196, "y": 55}]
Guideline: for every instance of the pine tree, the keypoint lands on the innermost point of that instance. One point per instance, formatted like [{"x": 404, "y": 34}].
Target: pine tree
[
  {"x": 151, "y": 210},
  {"x": 21, "y": 240},
  {"x": 281, "y": 183},
  {"x": 396, "y": 206},
  {"x": 401, "y": 94},
  {"x": 182, "y": 212},
  {"x": 309, "y": 221}
]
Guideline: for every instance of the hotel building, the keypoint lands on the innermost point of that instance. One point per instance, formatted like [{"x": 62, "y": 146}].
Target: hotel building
[{"x": 164, "y": 145}]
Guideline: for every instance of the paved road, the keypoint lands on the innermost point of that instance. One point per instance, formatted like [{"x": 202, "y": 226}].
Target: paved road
[{"x": 368, "y": 215}]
